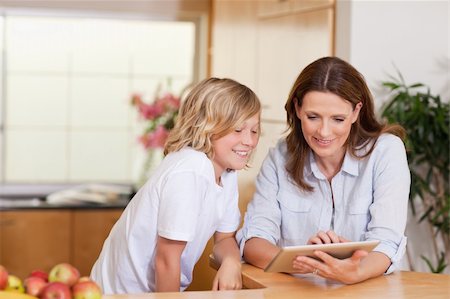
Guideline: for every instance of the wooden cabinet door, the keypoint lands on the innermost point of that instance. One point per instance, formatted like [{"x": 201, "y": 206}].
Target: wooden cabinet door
[
  {"x": 32, "y": 240},
  {"x": 286, "y": 45},
  {"x": 90, "y": 229}
]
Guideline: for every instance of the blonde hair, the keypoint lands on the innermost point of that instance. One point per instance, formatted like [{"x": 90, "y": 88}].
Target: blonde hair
[{"x": 212, "y": 109}]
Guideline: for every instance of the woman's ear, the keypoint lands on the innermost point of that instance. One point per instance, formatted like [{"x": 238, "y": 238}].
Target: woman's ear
[
  {"x": 356, "y": 111},
  {"x": 297, "y": 108}
]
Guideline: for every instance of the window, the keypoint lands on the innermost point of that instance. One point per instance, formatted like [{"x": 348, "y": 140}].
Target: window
[{"x": 67, "y": 81}]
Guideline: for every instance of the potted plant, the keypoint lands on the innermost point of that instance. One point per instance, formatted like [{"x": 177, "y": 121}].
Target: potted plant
[{"x": 426, "y": 121}]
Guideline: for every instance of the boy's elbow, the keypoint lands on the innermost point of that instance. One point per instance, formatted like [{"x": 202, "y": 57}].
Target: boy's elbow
[{"x": 166, "y": 263}]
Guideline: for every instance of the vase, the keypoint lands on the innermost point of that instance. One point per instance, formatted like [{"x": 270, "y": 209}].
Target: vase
[{"x": 152, "y": 160}]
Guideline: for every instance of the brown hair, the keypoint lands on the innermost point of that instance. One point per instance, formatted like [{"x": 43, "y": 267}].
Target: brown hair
[
  {"x": 332, "y": 74},
  {"x": 212, "y": 109}
]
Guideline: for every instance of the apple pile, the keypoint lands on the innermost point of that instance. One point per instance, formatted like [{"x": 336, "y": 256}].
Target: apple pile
[{"x": 62, "y": 282}]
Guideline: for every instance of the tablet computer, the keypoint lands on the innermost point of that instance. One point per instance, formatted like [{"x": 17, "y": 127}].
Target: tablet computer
[{"x": 282, "y": 262}]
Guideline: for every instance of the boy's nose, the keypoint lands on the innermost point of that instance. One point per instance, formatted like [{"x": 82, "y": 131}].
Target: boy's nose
[{"x": 249, "y": 139}]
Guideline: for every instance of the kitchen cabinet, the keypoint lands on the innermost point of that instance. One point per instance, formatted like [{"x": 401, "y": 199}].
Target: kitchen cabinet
[
  {"x": 32, "y": 240},
  {"x": 275, "y": 8},
  {"x": 288, "y": 44},
  {"x": 90, "y": 229},
  {"x": 41, "y": 238}
]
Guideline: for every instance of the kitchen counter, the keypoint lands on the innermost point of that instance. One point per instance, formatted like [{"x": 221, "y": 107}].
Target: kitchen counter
[
  {"x": 9, "y": 204},
  {"x": 35, "y": 196},
  {"x": 260, "y": 284}
]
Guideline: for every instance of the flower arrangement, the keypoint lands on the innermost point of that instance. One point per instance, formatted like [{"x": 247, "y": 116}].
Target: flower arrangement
[{"x": 160, "y": 116}]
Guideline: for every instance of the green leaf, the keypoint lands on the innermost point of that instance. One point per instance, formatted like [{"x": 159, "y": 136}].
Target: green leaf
[
  {"x": 426, "y": 120},
  {"x": 416, "y": 85}
]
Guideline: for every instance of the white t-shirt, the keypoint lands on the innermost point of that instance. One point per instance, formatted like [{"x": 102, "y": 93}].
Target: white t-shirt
[{"x": 181, "y": 201}]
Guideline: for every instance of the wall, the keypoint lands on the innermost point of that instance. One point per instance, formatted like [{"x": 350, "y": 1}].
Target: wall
[
  {"x": 379, "y": 36},
  {"x": 413, "y": 36}
]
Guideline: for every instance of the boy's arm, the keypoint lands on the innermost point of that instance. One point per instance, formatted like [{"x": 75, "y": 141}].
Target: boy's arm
[
  {"x": 167, "y": 264},
  {"x": 259, "y": 252},
  {"x": 226, "y": 252}
]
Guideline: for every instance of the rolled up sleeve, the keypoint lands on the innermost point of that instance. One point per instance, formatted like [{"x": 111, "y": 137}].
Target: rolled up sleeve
[
  {"x": 263, "y": 216},
  {"x": 390, "y": 205}
]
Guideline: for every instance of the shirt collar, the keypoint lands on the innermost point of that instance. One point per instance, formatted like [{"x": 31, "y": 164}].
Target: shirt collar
[{"x": 350, "y": 166}]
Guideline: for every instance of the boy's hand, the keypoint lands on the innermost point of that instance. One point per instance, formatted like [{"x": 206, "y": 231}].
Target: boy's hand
[{"x": 228, "y": 276}]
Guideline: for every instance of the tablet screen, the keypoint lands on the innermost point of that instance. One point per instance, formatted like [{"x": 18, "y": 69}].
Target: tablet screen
[{"x": 282, "y": 262}]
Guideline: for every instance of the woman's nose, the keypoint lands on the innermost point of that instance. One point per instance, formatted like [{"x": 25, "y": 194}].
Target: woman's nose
[{"x": 324, "y": 129}]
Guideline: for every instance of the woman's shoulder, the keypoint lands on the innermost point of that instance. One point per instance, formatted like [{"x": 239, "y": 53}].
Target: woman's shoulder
[
  {"x": 388, "y": 140},
  {"x": 280, "y": 147},
  {"x": 387, "y": 146},
  {"x": 276, "y": 156}
]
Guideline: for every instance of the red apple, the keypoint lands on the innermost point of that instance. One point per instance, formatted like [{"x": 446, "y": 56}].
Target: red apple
[
  {"x": 86, "y": 289},
  {"x": 34, "y": 285},
  {"x": 56, "y": 290},
  {"x": 39, "y": 273},
  {"x": 3, "y": 277},
  {"x": 65, "y": 273}
]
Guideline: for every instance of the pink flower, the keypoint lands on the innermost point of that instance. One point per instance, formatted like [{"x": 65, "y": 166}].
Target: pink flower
[
  {"x": 168, "y": 102},
  {"x": 136, "y": 99},
  {"x": 150, "y": 111},
  {"x": 155, "y": 139},
  {"x": 160, "y": 114}
]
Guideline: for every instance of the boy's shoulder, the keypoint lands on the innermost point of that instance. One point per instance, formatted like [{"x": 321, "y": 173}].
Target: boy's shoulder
[{"x": 189, "y": 158}]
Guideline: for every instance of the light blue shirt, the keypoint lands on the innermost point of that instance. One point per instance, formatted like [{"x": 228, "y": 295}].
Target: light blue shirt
[{"x": 370, "y": 200}]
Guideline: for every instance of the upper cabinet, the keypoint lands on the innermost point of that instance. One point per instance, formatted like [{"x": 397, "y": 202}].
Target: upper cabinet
[
  {"x": 286, "y": 44},
  {"x": 265, "y": 45},
  {"x": 273, "y": 8}
]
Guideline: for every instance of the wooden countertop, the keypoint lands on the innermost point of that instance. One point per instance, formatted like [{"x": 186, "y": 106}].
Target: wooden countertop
[{"x": 276, "y": 285}]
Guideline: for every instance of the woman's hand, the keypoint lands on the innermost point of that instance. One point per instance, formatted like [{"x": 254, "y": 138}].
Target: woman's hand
[
  {"x": 346, "y": 271},
  {"x": 228, "y": 276},
  {"x": 320, "y": 238},
  {"x": 326, "y": 238}
]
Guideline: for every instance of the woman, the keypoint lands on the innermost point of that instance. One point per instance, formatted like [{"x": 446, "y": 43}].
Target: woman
[{"x": 338, "y": 176}]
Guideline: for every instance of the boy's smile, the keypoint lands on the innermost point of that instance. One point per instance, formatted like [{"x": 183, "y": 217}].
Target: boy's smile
[{"x": 233, "y": 150}]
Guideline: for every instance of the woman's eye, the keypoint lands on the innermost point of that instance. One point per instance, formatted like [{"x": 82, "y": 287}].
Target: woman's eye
[
  {"x": 339, "y": 120},
  {"x": 238, "y": 130},
  {"x": 312, "y": 117}
]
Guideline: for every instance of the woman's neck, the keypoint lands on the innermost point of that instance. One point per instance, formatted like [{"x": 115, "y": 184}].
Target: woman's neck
[{"x": 330, "y": 166}]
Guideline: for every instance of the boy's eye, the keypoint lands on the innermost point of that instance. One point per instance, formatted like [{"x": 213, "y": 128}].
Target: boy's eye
[{"x": 238, "y": 130}]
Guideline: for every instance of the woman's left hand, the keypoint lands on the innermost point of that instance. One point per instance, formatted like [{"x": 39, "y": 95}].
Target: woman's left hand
[
  {"x": 228, "y": 276},
  {"x": 345, "y": 271}
]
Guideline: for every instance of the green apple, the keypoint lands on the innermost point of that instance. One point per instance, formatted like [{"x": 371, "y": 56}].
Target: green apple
[
  {"x": 65, "y": 273},
  {"x": 86, "y": 289},
  {"x": 14, "y": 284}
]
